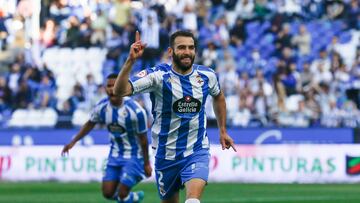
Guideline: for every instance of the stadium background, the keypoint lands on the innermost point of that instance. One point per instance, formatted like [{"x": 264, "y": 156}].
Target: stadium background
[{"x": 290, "y": 71}]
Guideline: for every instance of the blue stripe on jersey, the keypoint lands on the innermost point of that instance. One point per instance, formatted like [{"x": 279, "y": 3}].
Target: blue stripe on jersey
[
  {"x": 184, "y": 126},
  {"x": 119, "y": 141},
  {"x": 198, "y": 143},
  {"x": 130, "y": 133},
  {"x": 165, "y": 117}
]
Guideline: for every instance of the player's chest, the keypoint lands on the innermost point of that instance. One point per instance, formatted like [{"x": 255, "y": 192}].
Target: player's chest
[
  {"x": 117, "y": 120},
  {"x": 184, "y": 95},
  {"x": 180, "y": 87}
]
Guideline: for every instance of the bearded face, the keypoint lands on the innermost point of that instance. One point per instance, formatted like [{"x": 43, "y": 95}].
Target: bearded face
[{"x": 183, "y": 61}]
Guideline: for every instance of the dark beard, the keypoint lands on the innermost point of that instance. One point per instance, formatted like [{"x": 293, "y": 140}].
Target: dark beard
[{"x": 177, "y": 62}]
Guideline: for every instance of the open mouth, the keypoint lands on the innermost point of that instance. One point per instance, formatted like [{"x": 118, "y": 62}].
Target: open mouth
[{"x": 186, "y": 60}]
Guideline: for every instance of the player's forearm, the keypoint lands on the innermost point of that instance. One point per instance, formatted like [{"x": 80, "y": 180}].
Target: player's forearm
[
  {"x": 219, "y": 105},
  {"x": 122, "y": 86},
  {"x": 145, "y": 148},
  {"x": 85, "y": 129}
]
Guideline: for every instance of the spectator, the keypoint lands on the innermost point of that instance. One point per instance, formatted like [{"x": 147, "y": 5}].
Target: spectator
[
  {"x": 332, "y": 118},
  {"x": 306, "y": 78},
  {"x": 323, "y": 61},
  {"x": 64, "y": 116},
  {"x": 238, "y": 33},
  {"x": 45, "y": 95},
  {"x": 5, "y": 95},
  {"x": 99, "y": 24},
  {"x": 23, "y": 97},
  {"x": 209, "y": 55},
  {"x": 48, "y": 34},
  {"x": 121, "y": 15},
  {"x": 150, "y": 35},
  {"x": 73, "y": 33},
  {"x": 302, "y": 41}
]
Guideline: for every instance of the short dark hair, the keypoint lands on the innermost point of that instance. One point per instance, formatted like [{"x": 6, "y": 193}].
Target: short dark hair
[
  {"x": 112, "y": 76},
  {"x": 182, "y": 33}
]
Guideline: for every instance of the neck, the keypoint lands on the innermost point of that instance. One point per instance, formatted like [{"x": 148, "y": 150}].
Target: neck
[
  {"x": 117, "y": 103},
  {"x": 181, "y": 71}
]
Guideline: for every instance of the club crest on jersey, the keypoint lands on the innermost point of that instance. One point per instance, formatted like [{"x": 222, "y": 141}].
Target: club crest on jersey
[
  {"x": 188, "y": 104},
  {"x": 170, "y": 80},
  {"x": 199, "y": 81},
  {"x": 124, "y": 113},
  {"x": 141, "y": 74}
]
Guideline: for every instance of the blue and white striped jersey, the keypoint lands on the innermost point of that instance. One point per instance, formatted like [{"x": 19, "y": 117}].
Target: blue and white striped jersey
[
  {"x": 178, "y": 101},
  {"x": 124, "y": 123}
]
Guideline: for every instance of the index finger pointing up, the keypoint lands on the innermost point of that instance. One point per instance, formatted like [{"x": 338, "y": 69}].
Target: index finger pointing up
[{"x": 137, "y": 36}]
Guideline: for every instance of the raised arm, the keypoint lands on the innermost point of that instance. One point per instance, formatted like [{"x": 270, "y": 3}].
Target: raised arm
[
  {"x": 219, "y": 105},
  {"x": 86, "y": 128},
  {"x": 122, "y": 85}
]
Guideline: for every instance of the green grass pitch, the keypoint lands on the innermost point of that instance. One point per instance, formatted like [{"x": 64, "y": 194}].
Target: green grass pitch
[{"x": 51, "y": 192}]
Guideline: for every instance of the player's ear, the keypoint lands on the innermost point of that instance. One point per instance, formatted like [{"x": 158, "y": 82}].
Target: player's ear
[{"x": 170, "y": 51}]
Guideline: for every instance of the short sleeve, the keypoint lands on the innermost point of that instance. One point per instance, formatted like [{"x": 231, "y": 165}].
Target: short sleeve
[
  {"x": 143, "y": 82},
  {"x": 95, "y": 115},
  {"x": 214, "y": 84}
]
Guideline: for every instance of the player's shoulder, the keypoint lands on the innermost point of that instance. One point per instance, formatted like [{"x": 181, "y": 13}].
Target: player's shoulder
[
  {"x": 162, "y": 67},
  {"x": 157, "y": 69},
  {"x": 203, "y": 69},
  {"x": 133, "y": 104},
  {"x": 102, "y": 102}
]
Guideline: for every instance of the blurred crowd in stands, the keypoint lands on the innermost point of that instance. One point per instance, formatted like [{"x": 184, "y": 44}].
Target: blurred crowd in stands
[{"x": 287, "y": 63}]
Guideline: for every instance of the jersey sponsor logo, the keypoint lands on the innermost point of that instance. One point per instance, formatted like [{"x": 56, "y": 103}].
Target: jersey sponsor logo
[
  {"x": 141, "y": 74},
  {"x": 188, "y": 104},
  {"x": 116, "y": 128}
]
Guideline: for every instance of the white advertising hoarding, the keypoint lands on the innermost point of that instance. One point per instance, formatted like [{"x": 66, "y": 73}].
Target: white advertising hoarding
[{"x": 251, "y": 163}]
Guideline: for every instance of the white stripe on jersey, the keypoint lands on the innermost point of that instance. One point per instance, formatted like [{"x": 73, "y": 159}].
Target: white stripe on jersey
[
  {"x": 205, "y": 142},
  {"x": 108, "y": 113}
]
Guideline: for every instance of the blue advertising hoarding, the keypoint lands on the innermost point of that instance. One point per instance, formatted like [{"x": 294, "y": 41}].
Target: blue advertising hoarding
[{"x": 240, "y": 136}]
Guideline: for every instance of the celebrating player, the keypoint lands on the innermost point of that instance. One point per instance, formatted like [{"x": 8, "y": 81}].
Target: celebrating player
[
  {"x": 128, "y": 160},
  {"x": 178, "y": 93}
]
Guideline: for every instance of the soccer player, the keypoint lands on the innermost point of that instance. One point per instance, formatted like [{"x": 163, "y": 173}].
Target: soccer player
[
  {"x": 128, "y": 159},
  {"x": 178, "y": 93}
]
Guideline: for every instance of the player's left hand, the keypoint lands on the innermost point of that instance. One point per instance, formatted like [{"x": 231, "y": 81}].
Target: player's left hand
[
  {"x": 226, "y": 141},
  {"x": 147, "y": 169}
]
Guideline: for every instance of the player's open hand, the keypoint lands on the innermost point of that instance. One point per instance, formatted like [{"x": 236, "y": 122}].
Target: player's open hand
[
  {"x": 137, "y": 48},
  {"x": 147, "y": 169},
  {"x": 227, "y": 142},
  {"x": 67, "y": 148}
]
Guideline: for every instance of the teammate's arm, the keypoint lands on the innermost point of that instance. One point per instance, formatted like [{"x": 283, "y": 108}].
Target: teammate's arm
[
  {"x": 85, "y": 129},
  {"x": 145, "y": 149},
  {"x": 122, "y": 85},
  {"x": 219, "y": 105}
]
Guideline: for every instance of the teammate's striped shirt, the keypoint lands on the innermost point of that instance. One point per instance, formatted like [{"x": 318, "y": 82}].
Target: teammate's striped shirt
[
  {"x": 124, "y": 123},
  {"x": 178, "y": 102}
]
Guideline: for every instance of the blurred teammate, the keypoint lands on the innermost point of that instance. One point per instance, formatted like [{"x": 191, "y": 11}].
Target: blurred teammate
[
  {"x": 128, "y": 160},
  {"x": 178, "y": 93}
]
